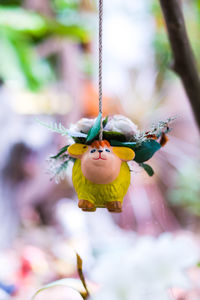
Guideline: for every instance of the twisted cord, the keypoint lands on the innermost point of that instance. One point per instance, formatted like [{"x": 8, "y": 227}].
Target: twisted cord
[{"x": 100, "y": 65}]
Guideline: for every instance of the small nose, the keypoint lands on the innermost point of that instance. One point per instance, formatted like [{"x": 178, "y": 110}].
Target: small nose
[{"x": 100, "y": 151}]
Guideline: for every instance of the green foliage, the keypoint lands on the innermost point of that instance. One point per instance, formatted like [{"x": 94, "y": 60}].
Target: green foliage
[
  {"x": 148, "y": 169},
  {"x": 58, "y": 165},
  {"x": 63, "y": 166},
  {"x": 10, "y": 2},
  {"x": 75, "y": 32},
  {"x": 131, "y": 145},
  {"x": 113, "y": 135},
  {"x": 94, "y": 131},
  {"x": 19, "y": 61},
  {"x": 197, "y": 4},
  {"x": 21, "y": 20},
  {"x": 59, "y": 128},
  {"x": 34, "y": 24},
  {"x": 79, "y": 140},
  {"x": 143, "y": 151},
  {"x": 192, "y": 18},
  {"x": 160, "y": 42},
  {"x": 63, "y": 150},
  {"x": 143, "y": 143},
  {"x": 105, "y": 121},
  {"x": 54, "y": 127},
  {"x": 65, "y": 4},
  {"x": 20, "y": 30},
  {"x": 146, "y": 150},
  {"x": 186, "y": 190},
  {"x": 161, "y": 45},
  {"x": 162, "y": 49}
]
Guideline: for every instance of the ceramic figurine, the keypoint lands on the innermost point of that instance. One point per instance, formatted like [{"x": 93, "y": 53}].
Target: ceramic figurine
[{"x": 101, "y": 175}]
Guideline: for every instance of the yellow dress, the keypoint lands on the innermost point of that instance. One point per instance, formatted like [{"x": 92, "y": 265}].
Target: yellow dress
[{"x": 99, "y": 194}]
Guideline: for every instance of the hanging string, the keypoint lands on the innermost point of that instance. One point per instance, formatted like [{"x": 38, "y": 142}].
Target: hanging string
[{"x": 100, "y": 65}]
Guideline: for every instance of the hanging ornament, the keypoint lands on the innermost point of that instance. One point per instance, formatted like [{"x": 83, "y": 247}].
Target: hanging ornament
[
  {"x": 101, "y": 176},
  {"x": 100, "y": 152}
]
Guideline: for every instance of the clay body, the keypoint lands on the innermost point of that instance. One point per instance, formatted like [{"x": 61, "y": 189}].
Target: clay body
[
  {"x": 101, "y": 175},
  {"x": 97, "y": 193}
]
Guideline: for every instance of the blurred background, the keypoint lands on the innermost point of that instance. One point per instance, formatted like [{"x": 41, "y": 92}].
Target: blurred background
[{"x": 49, "y": 70}]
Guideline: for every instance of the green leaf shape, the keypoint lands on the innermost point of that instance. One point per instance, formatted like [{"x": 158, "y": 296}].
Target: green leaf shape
[
  {"x": 59, "y": 128},
  {"x": 11, "y": 2},
  {"x": 63, "y": 4},
  {"x": 74, "y": 31},
  {"x": 22, "y": 20},
  {"x": 74, "y": 134},
  {"x": 37, "y": 26},
  {"x": 131, "y": 145},
  {"x": 62, "y": 150},
  {"x": 146, "y": 150},
  {"x": 114, "y": 135},
  {"x": 59, "y": 170},
  {"x": 143, "y": 151},
  {"x": 148, "y": 169},
  {"x": 54, "y": 127},
  {"x": 94, "y": 131},
  {"x": 81, "y": 275},
  {"x": 72, "y": 283},
  {"x": 20, "y": 62},
  {"x": 105, "y": 121},
  {"x": 79, "y": 140}
]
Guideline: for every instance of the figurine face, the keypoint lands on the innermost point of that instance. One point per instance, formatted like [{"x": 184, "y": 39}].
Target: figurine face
[{"x": 101, "y": 163}]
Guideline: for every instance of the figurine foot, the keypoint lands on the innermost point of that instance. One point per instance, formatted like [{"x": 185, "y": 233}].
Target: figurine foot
[
  {"x": 114, "y": 206},
  {"x": 85, "y": 205}
]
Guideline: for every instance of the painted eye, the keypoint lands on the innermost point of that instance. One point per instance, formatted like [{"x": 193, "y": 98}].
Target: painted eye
[
  {"x": 107, "y": 150},
  {"x": 93, "y": 150}
]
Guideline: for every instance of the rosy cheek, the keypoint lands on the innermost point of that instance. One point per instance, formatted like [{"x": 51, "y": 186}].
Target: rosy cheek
[
  {"x": 107, "y": 156},
  {"x": 88, "y": 156},
  {"x": 85, "y": 156},
  {"x": 115, "y": 158}
]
